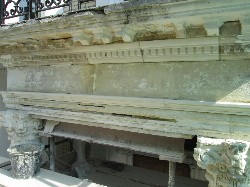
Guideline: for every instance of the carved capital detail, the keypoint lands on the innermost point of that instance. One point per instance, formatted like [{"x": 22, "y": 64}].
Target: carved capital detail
[
  {"x": 227, "y": 162},
  {"x": 21, "y": 128}
]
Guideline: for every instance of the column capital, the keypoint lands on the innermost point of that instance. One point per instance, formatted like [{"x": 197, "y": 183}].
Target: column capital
[
  {"x": 226, "y": 161},
  {"x": 21, "y": 127}
]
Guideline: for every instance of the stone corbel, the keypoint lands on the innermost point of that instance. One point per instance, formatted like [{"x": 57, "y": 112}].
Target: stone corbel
[
  {"x": 213, "y": 27},
  {"x": 6, "y": 60},
  {"x": 180, "y": 29},
  {"x": 126, "y": 34},
  {"x": 105, "y": 36},
  {"x": 226, "y": 162},
  {"x": 82, "y": 37}
]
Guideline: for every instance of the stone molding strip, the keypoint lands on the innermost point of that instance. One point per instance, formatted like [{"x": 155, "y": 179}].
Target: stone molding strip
[
  {"x": 195, "y": 49},
  {"x": 174, "y": 50}
]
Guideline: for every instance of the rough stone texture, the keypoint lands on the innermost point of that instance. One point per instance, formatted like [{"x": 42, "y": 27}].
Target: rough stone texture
[
  {"x": 25, "y": 160},
  {"x": 225, "y": 160}
]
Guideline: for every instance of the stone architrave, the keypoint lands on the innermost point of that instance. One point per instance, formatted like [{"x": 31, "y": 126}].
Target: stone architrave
[{"x": 227, "y": 162}]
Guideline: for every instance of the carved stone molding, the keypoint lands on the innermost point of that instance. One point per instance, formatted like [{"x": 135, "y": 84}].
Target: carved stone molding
[
  {"x": 21, "y": 127},
  {"x": 174, "y": 50},
  {"x": 226, "y": 161}
]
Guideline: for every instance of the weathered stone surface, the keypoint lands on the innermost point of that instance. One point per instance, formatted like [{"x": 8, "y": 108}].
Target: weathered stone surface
[
  {"x": 205, "y": 81},
  {"x": 146, "y": 18}
]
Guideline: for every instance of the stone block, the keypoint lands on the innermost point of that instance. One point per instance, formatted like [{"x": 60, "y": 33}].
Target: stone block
[{"x": 64, "y": 79}]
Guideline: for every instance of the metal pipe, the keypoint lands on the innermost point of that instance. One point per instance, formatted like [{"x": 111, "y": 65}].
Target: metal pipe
[
  {"x": 52, "y": 154},
  {"x": 171, "y": 179}
]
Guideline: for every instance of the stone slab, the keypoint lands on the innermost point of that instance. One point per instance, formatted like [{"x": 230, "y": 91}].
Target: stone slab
[{"x": 46, "y": 178}]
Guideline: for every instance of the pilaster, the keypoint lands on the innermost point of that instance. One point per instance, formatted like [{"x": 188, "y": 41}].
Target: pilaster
[{"x": 226, "y": 161}]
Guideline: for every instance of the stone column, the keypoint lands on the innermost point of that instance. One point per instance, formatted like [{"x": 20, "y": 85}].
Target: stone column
[
  {"x": 172, "y": 168},
  {"x": 227, "y": 161},
  {"x": 26, "y": 147},
  {"x": 81, "y": 165}
]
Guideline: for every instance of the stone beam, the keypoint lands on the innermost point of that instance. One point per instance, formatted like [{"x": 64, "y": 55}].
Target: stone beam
[
  {"x": 163, "y": 117},
  {"x": 171, "y": 149}
]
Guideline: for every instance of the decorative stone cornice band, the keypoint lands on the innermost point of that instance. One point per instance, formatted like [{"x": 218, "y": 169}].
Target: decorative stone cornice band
[{"x": 195, "y": 49}]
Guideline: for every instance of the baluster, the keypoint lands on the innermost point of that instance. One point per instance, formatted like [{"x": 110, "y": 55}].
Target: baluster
[
  {"x": 1, "y": 11},
  {"x": 36, "y": 8},
  {"x": 30, "y": 10}
]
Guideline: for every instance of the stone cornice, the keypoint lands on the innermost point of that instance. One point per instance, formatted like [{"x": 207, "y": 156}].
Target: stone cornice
[
  {"x": 53, "y": 100},
  {"x": 162, "y": 117},
  {"x": 131, "y": 20}
]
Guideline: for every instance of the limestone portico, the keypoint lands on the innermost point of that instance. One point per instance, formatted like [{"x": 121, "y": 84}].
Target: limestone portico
[{"x": 140, "y": 75}]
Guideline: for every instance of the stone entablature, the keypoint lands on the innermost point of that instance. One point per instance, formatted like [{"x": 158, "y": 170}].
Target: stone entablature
[{"x": 167, "y": 70}]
